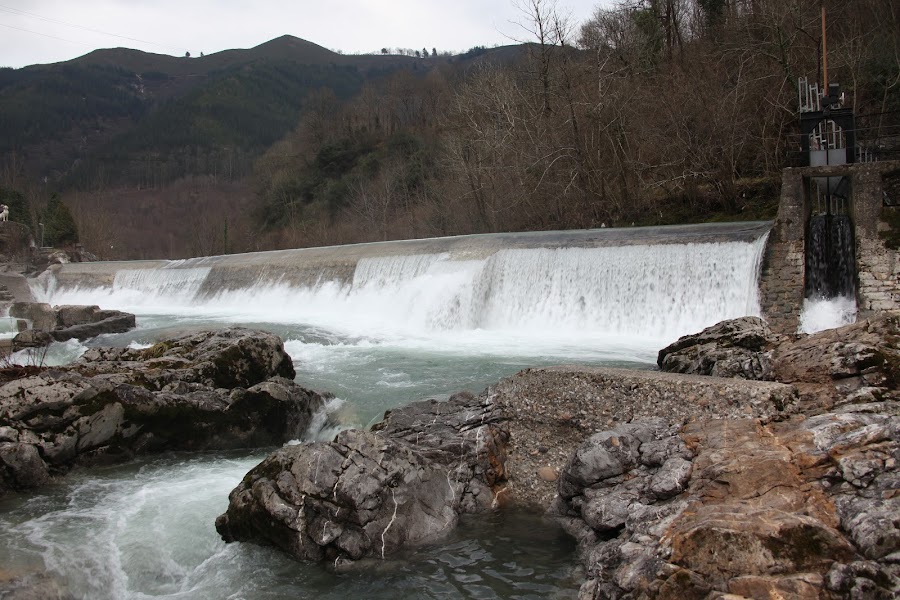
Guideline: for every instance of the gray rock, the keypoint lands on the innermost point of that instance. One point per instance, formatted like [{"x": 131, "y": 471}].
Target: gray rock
[
  {"x": 873, "y": 523},
  {"x": 225, "y": 358},
  {"x": 671, "y": 479},
  {"x": 66, "y": 322},
  {"x": 734, "y": 348},
  {"x": 224, "y": 390},
  {"x": 608, "y": 510},
  {"x": 600, "y": 457},
  {"x": 867, "y": 580},
  {"x": 108, "y": 322},
  {"x": 8, "y": 434},
  {"x": 31, "y": 338},
  {"x": 21, "y": 466},
  {"x": 69, "y": 315},
  {"x": 41, "y": 315},
  {"x": 369, "y": 494}
]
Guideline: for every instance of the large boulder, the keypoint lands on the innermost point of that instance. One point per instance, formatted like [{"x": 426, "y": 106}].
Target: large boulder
[
  {"x": 204, "y": 391},
  {"x": 223, "y": 358},
  {"x": 66, "y": 322},
  {"x": 371, "y": 493},
  {"x": 102, "y": 321},
  {"x": 734, "y": 348},
  {"x": 40, "y": 314}
]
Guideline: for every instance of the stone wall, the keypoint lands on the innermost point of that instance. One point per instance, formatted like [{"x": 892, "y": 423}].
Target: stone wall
[
  {"x": 878, "y": 266},
  {"x": 781, "y": 279}
]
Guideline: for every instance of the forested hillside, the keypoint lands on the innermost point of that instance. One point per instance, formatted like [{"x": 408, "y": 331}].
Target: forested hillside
[{"x": 653, "y": 111}]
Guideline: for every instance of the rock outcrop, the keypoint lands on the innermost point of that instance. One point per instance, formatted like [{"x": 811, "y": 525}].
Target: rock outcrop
[
  {"x": 552, "y": 410},
  {"x": 858, "y": 361},
  {"x": 675, "y": 486},
  {"x": 406, "y": 482},
  {"x": 805, "y": 508},
  {"x": 61, "y": 323},
  {"x": 209, "y": 390},
  {"x": 801, "y": 506},
  {"x": 735, "y": 348},
  {"x": 851, "y": 364},
  {"x": 371, "y": 493}
]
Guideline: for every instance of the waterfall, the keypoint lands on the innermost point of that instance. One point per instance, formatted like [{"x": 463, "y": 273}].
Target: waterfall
[
  {"x": 177, "y": 285},
  {"x": 656, "y": 291},
  {"x": 830, "y": 265},
  {"x": 830, "y": 287}
]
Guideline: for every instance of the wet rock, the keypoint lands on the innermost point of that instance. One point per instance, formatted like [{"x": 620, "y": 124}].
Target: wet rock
[
  {"x": 204, "y": 391},
  {"x": 371, "y": 493},
  {"x": 107, "y": 321},
  {"x": 66, "y": 322},
  {"x": 69, "y": 315},
  {"x": 31, "y": 338},
  {"x": 21, "y": 467},
  {"x": 40, "y": 314},
  {"x": 33, "y": 586}
]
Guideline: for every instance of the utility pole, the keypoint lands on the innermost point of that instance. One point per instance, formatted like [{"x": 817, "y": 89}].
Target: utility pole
[{"x": 824, "y": 53}]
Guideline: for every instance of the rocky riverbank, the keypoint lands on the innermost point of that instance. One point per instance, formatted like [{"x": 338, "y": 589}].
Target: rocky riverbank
[
  {"x": 799, "y": 504},
  {"x": 675, "y": 485},
  {"x": 202, "y": 391},
  {"x": 778, "y": 480}
]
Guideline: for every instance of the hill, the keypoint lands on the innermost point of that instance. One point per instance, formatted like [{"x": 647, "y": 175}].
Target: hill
[
  {"x": 125, "y": 106},
  {"x": 640, "y": 119}
]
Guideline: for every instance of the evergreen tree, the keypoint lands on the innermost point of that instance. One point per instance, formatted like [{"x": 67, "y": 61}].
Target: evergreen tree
[{"x": 59, "y": 227}]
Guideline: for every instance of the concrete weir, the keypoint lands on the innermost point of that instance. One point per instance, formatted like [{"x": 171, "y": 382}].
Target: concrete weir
[{"x": 307, "y": 266}]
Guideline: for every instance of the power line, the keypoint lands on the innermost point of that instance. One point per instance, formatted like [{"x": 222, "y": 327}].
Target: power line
[
  {"x": 16, "y": 11},
  {"x": 44, "y": 34}
]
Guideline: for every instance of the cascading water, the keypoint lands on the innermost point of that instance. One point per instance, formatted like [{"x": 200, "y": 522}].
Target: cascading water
[
  {"x": 830, "y": 265},
  {"x": 398, "y": 326},
  {"x": 653, "y": 293},
  {"x": 830, "y": 274}
]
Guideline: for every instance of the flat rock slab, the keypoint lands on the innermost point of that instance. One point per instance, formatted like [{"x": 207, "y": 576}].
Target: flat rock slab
[{"x": 551, "y": 410}]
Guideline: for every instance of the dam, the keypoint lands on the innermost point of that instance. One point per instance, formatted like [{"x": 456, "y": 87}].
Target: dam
[{"x": 649, "y": 283}]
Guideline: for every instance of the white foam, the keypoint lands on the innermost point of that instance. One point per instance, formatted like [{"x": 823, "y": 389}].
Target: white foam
[
  {"x": 539, "y": 299},
  {"x": 821, "y": 314},
  {"x": 53, "y": 355}
]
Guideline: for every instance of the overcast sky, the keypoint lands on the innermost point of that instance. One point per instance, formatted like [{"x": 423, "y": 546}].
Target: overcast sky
[{"x": 44, "y": 31}]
